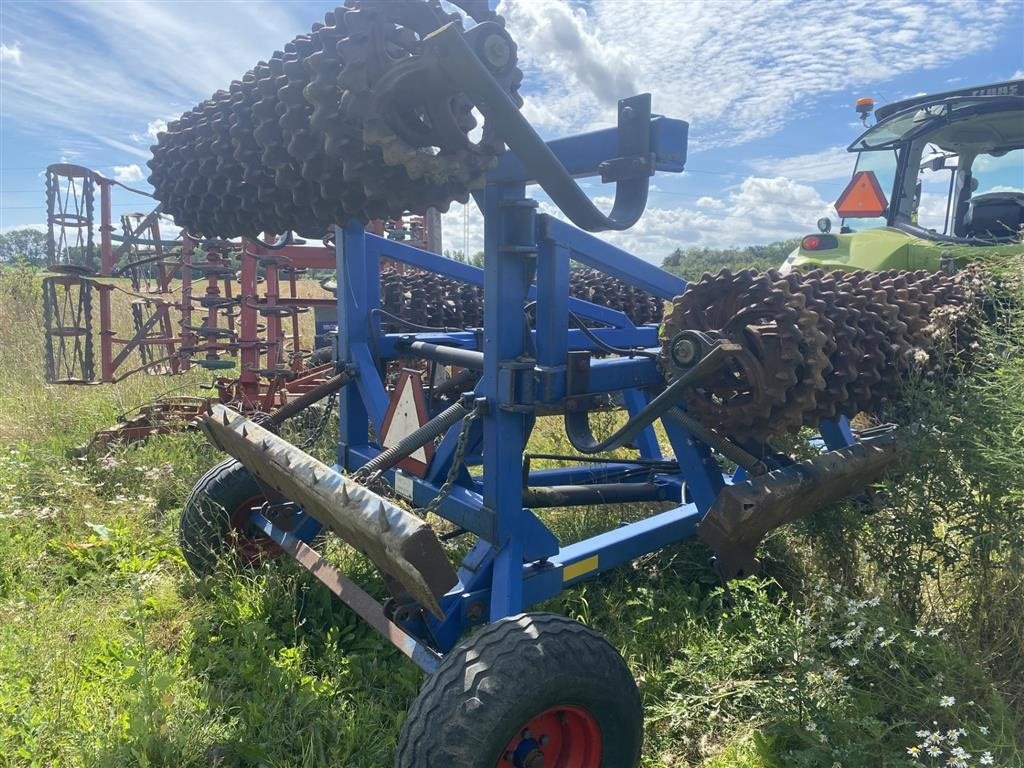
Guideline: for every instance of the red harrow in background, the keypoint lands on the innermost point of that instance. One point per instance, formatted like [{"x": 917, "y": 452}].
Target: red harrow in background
[{"x": 229, "y": 307}]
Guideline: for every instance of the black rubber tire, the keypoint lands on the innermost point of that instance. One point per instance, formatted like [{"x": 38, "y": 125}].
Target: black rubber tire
[
  {"x": 204, "y": 533},
  {"x": 512, "y": 670}
]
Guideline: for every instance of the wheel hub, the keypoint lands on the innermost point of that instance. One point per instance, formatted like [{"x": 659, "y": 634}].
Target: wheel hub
[
  {"x": 250, "y": 550},
  {"x": 559, "y": 737}
]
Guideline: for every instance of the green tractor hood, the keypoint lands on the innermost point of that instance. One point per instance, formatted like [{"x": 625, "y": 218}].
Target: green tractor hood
[{"x": 886, "y": 248}]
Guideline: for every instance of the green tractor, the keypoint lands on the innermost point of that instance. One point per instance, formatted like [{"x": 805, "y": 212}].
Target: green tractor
[{"x": 939, "y": 182}]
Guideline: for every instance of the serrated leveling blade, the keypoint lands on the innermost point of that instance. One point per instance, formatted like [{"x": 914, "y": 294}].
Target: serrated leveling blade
[
  {"x": 744, "y": 513},
  {"x": 398, "y": 542}
]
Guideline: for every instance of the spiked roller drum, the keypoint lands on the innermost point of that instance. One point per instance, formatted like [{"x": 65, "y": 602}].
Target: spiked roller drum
[
  {"x": 818, "y": 346},
  {"x": 347, "y": 122}
]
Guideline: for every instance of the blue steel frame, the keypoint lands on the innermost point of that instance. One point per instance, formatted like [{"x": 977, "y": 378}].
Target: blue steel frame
[{"x": 517, "y": 561}]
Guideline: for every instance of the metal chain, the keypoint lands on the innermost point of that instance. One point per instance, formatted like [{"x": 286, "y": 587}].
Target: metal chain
[
  {"x": 457, "y": 459},
  {"x": 321, "y": 427}
]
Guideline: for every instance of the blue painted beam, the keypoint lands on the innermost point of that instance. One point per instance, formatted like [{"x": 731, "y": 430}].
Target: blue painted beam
[
  {"x": 578, "y": 562},
  {"x": 837, "y": 434},
  {"x": 582, "y": 154},
  {"x": 467, "y": 273},
  {"x": 605, "y": 257},
  {"x": 589, "y": 557}
]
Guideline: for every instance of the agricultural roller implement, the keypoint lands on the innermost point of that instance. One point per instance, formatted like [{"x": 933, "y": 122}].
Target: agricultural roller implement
[{"x": 372, "y": 114}]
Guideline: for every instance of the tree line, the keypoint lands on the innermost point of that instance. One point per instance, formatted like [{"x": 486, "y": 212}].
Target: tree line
[
  {"x": 693, "y": 262},
  {"x": 23, "y": 246}
]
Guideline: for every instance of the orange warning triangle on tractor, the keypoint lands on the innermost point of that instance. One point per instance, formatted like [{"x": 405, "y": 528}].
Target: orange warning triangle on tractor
[
  {"x": 863, "y": 197},
  {"x": 407, "y": 412}
]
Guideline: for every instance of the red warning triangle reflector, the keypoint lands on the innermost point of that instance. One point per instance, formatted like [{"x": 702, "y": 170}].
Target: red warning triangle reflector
[
  {"x": 863, "y": 197},
  {"x": 406, "y": 413}
]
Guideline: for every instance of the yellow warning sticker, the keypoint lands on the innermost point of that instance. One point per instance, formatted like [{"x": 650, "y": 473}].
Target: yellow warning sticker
[{"x": 579, "y": 568}]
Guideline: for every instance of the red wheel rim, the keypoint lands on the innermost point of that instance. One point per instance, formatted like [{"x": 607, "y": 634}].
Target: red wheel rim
[
  {"x": 250, "y": 550},
  {"x": 559, "y": 737}
]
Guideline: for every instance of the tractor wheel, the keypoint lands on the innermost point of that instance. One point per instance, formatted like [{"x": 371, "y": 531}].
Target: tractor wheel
[
  {"x": 536, "y": 690},
  {"x": 214, "y": 520}
]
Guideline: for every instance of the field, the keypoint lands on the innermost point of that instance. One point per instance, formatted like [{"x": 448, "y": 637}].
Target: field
[{"x": 894, "y": 638}]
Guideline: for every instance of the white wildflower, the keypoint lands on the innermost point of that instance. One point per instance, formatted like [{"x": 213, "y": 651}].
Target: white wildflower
[{"x": 947, "y": 701}]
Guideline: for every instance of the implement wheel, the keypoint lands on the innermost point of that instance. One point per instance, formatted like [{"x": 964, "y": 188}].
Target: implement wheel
[
  {"x": 536, "y": 690},
  {"x": 215, "y": 520}
]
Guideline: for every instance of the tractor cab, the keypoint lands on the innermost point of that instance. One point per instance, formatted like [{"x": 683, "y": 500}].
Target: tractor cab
[{"x": 936, "y": 177}]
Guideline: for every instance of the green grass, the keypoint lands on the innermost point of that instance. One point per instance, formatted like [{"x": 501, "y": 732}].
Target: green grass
[{"x": 112, "y": 654}]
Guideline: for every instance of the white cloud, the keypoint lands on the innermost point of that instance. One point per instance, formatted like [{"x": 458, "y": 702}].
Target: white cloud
[
  {"x": 11, "y": 53},
  {"x": 153, "y": 128},
  {"x": 759, "y": 210},
  {"x": 712, "y": 203},
  {"x": 126, "y": 174},
  {"x": 462, "y": 229},
  {"x": 828, "y": 164},
  {"x": 735, "y": 70},
  {"x": 120, "y": 145},
  {"x": 1018, "y": 75}
]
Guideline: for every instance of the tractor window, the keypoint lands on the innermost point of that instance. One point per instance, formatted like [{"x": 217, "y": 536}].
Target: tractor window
[
  {"x": 883, "y": 164},
  {"x": 999, "y": 173},
  {"x": 935, "y": 187}
]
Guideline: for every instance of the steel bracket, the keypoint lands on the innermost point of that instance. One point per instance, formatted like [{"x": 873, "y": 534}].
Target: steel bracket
[
  {"x": 625, "y": 168},
  {"x": 516, "y": 386}
]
